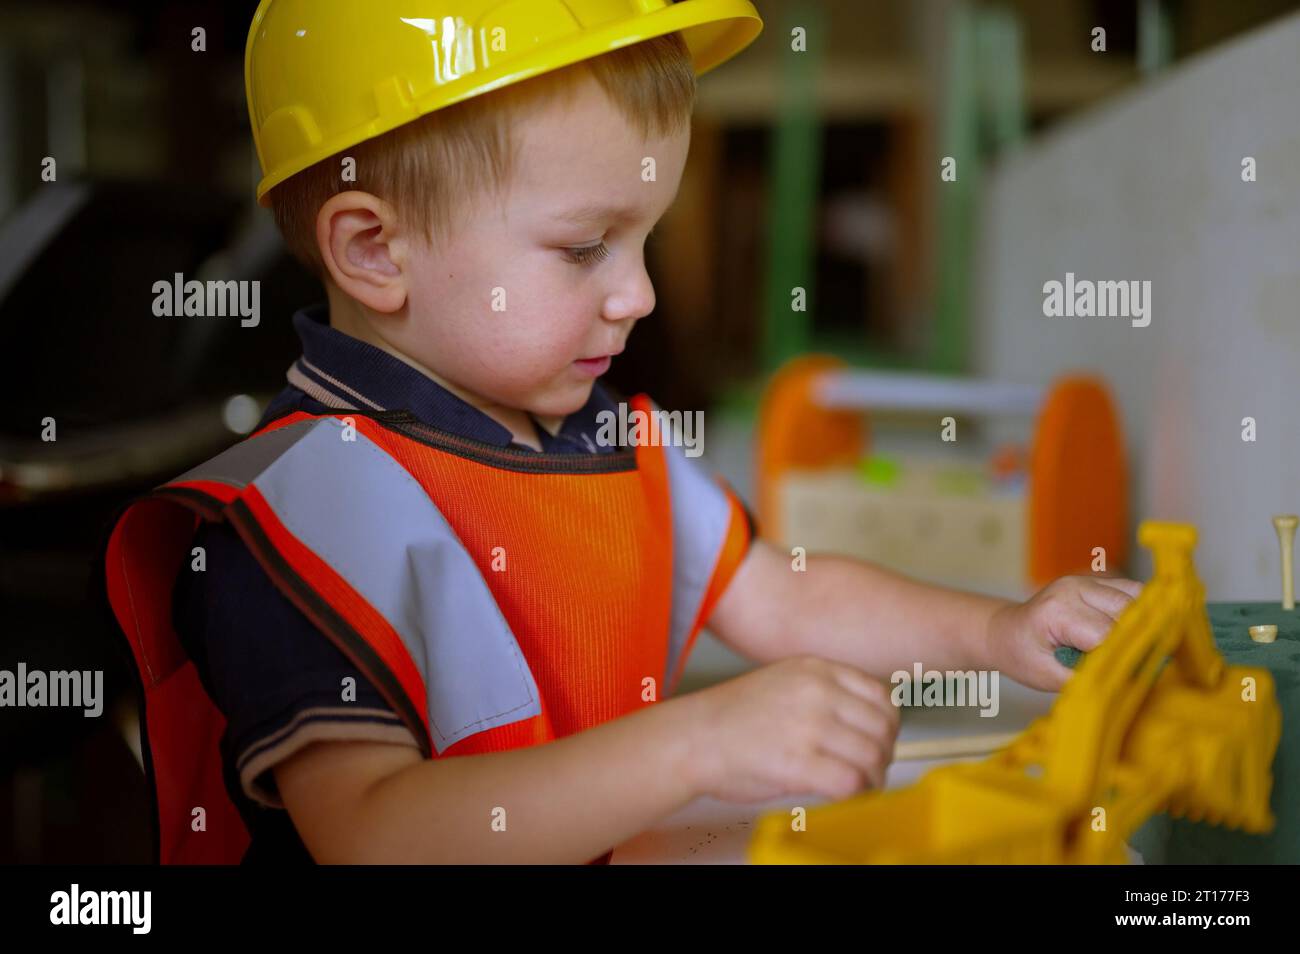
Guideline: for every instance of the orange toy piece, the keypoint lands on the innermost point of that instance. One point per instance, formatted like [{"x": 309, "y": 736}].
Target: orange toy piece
[
  {"x": 795, "y": 432},
  {"x": 1078, "y": 484}
]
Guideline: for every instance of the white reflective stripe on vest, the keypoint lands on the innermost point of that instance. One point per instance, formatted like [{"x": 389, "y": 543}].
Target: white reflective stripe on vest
[
  {"x": 701, "y": 517},
  {"x": 358, "y": 509},
  {"x": 238, "y": 466}
]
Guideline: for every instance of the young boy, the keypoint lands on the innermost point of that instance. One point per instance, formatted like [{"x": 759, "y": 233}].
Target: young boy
[{"x": 426, "y": 613}]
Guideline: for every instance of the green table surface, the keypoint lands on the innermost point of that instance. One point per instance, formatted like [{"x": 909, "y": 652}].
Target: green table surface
[{"x": 1165, "y": 840}]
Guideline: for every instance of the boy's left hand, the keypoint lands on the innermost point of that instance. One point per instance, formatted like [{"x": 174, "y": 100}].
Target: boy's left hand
[{"x": 1073, "y": 611}]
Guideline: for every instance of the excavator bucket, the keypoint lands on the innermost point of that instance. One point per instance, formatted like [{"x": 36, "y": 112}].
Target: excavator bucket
[
  {"x": 1226, "y": 739},
  {"x": 1153, "y": 720}
]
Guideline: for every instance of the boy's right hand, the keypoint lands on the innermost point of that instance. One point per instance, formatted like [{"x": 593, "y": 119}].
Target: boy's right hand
[{"x": 797, "y": 726}]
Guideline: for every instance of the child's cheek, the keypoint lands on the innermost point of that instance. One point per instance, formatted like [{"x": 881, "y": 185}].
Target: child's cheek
[{"x": 554, "y": 329}]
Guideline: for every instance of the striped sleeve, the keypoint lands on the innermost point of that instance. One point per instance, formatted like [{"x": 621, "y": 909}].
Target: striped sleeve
[{"x": 280, "y": 684}]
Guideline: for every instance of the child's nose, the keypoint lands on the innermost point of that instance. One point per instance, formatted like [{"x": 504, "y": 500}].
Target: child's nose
[{"x": 634, "y": 298}]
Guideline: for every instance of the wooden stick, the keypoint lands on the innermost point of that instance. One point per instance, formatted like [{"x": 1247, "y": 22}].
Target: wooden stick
[
  {"x": 947, "y": 748},
  {"x": 1285, "y": 525}
]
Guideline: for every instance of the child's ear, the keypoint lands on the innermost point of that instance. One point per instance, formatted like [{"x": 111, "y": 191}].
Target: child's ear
[{"x": 357, "y": 235}]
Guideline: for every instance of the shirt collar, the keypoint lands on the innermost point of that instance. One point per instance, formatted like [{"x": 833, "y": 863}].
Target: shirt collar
[{"x": 368, "y": 377}]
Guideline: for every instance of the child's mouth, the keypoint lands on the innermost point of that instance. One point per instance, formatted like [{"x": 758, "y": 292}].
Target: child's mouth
[{"x": 593, "y": 366}]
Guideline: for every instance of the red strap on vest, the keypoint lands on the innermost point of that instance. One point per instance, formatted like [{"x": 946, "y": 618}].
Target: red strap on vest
[{"x": 182, "y": 726}]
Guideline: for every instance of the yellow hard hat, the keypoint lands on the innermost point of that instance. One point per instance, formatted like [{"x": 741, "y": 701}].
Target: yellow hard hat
[{"x": 323, "y": 75}]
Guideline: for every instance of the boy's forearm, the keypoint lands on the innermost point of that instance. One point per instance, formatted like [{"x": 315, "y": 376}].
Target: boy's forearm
[
  {"x": 883, "y": 621},
  {"x": 567, "y": 801}
]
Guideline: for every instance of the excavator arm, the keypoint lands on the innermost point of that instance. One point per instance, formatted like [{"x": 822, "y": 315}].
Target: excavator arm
[{"x": 1153, "y": 720}]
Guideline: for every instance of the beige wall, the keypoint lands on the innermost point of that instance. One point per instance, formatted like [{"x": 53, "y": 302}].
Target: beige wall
[{"x": 1149, "y": 188}]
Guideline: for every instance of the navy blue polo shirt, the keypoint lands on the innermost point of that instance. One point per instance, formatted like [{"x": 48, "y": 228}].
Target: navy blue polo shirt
[{"x": 274, "y": 676}]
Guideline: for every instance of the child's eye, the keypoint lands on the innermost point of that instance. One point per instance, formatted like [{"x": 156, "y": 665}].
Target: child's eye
[{"x": 588, "y": 254}]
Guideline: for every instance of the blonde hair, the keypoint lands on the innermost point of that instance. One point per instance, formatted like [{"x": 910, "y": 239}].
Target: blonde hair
[{"x": 429, "y": 168}]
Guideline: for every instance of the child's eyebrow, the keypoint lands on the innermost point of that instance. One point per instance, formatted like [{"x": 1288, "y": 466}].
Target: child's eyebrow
[{"x": 597, "y": 212}]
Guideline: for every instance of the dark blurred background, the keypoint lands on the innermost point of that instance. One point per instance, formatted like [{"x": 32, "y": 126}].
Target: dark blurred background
[{"x": 156, "y": 174}]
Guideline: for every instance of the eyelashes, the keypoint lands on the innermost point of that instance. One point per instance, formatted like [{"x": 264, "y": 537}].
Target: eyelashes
[
  {"x": 593, "y": 254},
  {"x": 588, "y": 255}
]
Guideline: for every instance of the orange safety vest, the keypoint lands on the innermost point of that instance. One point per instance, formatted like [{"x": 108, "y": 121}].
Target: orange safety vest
[{"x": 497, "y": 598}]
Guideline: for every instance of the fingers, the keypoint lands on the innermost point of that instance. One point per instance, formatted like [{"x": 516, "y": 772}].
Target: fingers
[
  {"x": 865, "y": 729},
  {"x": 1109, "y": 594},
  {"x": 1049, "y": 675},
  {"x": 1131, "y": 587},
  {"x": 863, "y": 686},
  {"x": 1084, "y": 628},
  {"x": 867, "y": 718},
  {"x": 832, "y": 777},
  {"x": 867, "y": 755},
  {"x": 865, "y": 703}
]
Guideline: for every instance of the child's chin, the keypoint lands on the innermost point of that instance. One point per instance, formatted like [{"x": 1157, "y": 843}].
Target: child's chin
[{"x": 563, "y": 404}]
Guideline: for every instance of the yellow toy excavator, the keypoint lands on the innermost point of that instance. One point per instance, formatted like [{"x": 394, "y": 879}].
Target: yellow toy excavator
[{"x": 1153, "y": 721}]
